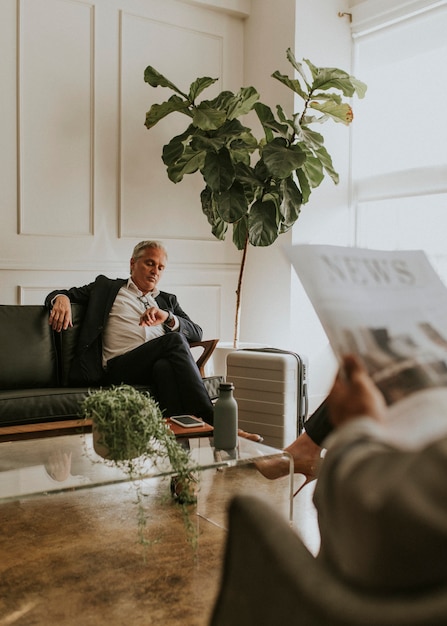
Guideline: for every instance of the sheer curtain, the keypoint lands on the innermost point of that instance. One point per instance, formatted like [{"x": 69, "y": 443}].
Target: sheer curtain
[{"x": 399, "y": 139}]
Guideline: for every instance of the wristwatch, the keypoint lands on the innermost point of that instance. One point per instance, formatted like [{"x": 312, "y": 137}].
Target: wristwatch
[{"x": 167, "y": 323}]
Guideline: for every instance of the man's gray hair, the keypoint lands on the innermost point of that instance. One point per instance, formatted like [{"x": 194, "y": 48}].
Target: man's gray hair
[{"x": 143, "y": 245}]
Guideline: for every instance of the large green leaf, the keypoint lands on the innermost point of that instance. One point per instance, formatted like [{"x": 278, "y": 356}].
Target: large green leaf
[
  {"x": 268, "y": 121},
  {"x": 158, "y": 111},
  {"x": 242, "y": 103},
  {"x": 218, "y": 226},
  {"x": 199, "y": 85},
  {"x": 175, "y": 148},
  {"x": 304, "y": 184},
  {"x": 285, "y": 122},
  {"x": 333, "y": 78},
  {"x": 218, "y": 171},
  {"x": 231, "y": 204},
  {"x": 238, "y": 139},
  {"x": 207, "y": 118},
  {"x": 313, "y": 170},
  {"x": 262, "y": 225},
  {"x": 247, "y": 175},
  {"x": 321, "y": 96},
  {"x": 290, "y": 204},
  {"x": 338, "y": 112},
  {"x": 235, "y": 137},
  {"x": 206, "y": 199},
  {"x": 219, "y": 229},
  {"x": 205, "y": 142},
  {"x": 326, "y": 161},
  {"x": 241, "y": 151},
  {"x": 188, "y": 163},
  {"x": 240, "y": 233},
  {"x": 310, "y": 138},
  {"x": 281, "y": 159},
  {"x": 298, "y": 66},
  {"x": 233, "y": 129},
  {"x": 222, "y": 101},
  {"x": 155, "y": 79},
  {"x": 242, "y": 147},
  {"x": 359, "y": 86},
  {"x": 172, "y": 152},
  {"x": 291, "y": 83},
  {"x": 261, "y": 171}
]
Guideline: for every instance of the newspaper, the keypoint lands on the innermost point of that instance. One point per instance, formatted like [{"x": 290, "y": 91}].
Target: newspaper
[{"x": 388, "y": 307}]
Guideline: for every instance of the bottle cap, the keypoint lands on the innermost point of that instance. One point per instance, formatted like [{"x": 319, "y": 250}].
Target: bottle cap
[{"x": 226, "y": 386}]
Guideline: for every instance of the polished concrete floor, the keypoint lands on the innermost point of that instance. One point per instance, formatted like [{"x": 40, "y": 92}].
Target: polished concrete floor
[{"x": 73, "y": 559}]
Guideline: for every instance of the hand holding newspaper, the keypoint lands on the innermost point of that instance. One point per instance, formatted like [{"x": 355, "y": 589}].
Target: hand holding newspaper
[{"x": 388, "y": 307}]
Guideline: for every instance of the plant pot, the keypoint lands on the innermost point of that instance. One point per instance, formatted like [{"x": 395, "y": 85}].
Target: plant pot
[{"x": 124, "y": 453}]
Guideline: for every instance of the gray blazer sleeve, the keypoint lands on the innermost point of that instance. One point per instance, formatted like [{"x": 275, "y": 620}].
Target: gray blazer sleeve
[{"x": 382, "y": 510}]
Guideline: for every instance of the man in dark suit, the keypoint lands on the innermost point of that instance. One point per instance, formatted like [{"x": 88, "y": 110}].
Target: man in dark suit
[{"x": 136, "y": 334}]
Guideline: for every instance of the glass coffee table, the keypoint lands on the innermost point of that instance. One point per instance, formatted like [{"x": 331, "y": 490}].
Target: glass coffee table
[{"x": 44, "y": 466}]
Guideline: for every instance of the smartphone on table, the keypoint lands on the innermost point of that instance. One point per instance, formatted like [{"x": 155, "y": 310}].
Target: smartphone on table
[{"x": 187, "y": 421}]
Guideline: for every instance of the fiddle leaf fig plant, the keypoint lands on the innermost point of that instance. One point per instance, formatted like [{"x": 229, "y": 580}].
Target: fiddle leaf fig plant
[{"x": 255, "y": 185}]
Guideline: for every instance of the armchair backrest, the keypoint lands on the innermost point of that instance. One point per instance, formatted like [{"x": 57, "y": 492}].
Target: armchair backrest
[{"x": 270, "y": 577}]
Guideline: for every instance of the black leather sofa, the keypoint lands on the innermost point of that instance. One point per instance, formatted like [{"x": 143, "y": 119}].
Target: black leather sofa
[{"x": 34, "y": 363}]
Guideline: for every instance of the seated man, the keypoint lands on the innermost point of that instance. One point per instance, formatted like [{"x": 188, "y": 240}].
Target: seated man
[
  {"x": 382, "y": 508},
  {"x": 136, "y": 334}
]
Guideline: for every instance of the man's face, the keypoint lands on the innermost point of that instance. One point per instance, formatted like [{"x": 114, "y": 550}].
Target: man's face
[{"x": 146, "y": 271}]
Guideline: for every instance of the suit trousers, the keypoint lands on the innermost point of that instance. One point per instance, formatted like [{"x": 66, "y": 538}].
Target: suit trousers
[
  {"x": 318, "y": 426},
  {"x": 167, "y": 365}
]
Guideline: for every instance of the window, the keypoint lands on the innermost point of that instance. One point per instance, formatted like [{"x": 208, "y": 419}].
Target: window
[{"x": 399, "y": 147}]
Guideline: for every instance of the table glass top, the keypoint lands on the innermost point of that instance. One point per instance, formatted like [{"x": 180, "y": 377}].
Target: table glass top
[{"x": 46, "y": 465}]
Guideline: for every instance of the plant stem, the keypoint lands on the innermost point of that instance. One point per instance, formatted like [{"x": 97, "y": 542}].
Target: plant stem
[
  {"x": 238, "y": 295},
  {"x": 306, "y": 104}
]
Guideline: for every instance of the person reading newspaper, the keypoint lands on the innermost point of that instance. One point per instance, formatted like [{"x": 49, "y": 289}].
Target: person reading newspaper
[
  {"x": 390, "y": 309},
  {"x": 382, "y": 509}
]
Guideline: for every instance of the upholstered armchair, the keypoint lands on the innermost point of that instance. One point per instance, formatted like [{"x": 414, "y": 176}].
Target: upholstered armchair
[{"x": 270, "y": 578}]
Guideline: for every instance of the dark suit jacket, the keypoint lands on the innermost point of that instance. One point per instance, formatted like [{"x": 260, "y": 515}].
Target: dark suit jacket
[{"x": 98, "y": 297}]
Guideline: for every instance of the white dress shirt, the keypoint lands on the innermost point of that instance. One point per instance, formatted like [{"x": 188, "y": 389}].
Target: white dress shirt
[{"x": 123, "y": 331}]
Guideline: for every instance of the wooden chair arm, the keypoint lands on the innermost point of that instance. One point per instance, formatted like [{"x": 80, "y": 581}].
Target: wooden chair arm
[{"x": 208, "y": 347}]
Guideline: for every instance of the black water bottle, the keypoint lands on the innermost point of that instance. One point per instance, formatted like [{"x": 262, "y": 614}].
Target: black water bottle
[{"x": 225, "y": 418}]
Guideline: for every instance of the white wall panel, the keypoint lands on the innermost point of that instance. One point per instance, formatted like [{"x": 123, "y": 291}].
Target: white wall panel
[
  {"x": 203, "y": 304},
  {"x": 146, "y": 193},
  {"x": 55, "y": 117}
]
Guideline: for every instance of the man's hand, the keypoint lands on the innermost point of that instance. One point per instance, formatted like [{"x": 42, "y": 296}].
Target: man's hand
[
  {"x": 58, "y": 465},
  {"x": 153, "y": 316},
  {"x": 354, "y": 394},
  {"x": 60, "y": 315}
]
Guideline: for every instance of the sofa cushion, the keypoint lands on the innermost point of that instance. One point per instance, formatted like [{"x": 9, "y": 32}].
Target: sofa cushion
[
  {"x": 27, "y": 348},
  {"x": 30, "y": 406}
]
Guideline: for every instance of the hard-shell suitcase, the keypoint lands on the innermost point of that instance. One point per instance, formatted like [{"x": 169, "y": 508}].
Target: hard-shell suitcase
[{"x": 271, "y": 392}]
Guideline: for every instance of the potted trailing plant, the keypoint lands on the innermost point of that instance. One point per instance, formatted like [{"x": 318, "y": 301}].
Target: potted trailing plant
[
  {"x": 256, "y": 185},
  {"x": 128, "y": 430}
]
